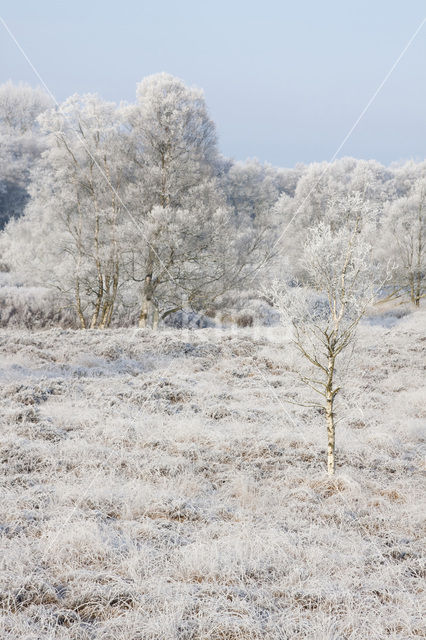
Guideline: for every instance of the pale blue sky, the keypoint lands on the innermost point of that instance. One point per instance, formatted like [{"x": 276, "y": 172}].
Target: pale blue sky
[{"x": 284, "y": 81}]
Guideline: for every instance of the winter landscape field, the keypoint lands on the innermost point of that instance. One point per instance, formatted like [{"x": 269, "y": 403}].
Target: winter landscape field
[
  {"x": 157, "y": 485},
  {"x": 212, "y": 320}
]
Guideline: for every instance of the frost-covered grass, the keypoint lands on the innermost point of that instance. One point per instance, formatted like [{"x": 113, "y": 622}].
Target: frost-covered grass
[{"x": 155, "y": 486}]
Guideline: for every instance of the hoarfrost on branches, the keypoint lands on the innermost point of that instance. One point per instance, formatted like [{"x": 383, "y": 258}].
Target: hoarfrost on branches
[{"x": 325, "y": 309}]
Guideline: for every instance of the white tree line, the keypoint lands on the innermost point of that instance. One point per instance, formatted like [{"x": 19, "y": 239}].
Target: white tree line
[{"x": 117, "y": 206}]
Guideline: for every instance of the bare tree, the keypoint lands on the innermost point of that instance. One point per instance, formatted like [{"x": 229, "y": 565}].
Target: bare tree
[{"x": 324, "y": 309}]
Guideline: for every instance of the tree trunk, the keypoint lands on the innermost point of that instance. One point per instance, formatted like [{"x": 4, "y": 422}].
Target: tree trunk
[
  {"x": 329, "y": 413},
  {"x": 78, "y": 305},
  {"x": 155, "y": 318},
  {"x": 99, "y": 296},
  {"x": 418, "y": 273},
  {"x": 145, "y": 313},
  {"x": 417, "y": 297},
  {"x": 78, "y": 265},
  {"x": 112, "y": 299},
  {"x": 100, "y": 291},
  {"x": 146, "y": 310},
  {"x": 331, "y": 464},
  {"x": 145, "y": 316},
  {"x": 106, "y": 312}
]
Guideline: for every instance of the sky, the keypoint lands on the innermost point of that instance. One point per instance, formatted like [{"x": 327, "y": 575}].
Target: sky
[{"x": 284, "y": 81}]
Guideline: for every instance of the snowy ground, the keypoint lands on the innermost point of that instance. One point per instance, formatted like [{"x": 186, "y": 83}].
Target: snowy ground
[{"x": 156, "y": 486}]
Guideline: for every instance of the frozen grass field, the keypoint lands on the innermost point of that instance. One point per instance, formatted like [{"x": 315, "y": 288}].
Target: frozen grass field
[{"x": 156, "y": 486}]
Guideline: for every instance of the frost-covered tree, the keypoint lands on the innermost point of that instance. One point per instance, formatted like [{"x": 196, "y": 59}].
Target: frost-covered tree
[
  {"x": 326, "y": 307},
  {"x": 174, "y": 140},
  {"x": 404, "y": 241},
  {"x": 309, "y": 206},
  {"x": 181, "y": 256},
  {"x": 374, "y": 181},
  {"x": 321, "y": 182},
  {"x": 252, "y": 190},
  {"x": 71, "y": 235},
  {"x": 20, "y": 105},
  {"x": 21, "y": 143},
  {"x": 176, "y": 198},
  {"x": 406, "y": 175}
]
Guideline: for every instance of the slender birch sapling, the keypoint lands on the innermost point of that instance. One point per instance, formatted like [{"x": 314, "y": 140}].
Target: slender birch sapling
[{"x": 324, "y": 309}]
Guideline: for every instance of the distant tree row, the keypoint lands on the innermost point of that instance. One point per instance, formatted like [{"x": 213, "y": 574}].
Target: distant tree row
[{"x": 132, "y": 207}]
